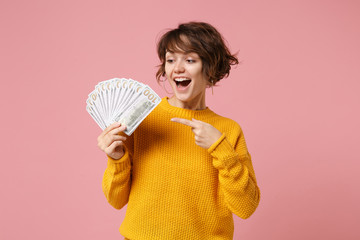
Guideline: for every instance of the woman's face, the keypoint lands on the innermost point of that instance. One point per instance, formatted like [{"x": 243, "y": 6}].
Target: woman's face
[{"x": 184, "y": 72}]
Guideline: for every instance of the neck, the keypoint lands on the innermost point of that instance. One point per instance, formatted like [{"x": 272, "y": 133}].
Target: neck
[{"x": 197, "y": 103}]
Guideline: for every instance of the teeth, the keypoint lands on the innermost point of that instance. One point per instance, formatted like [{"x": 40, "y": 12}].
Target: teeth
[{"x": 181, "y": 79}]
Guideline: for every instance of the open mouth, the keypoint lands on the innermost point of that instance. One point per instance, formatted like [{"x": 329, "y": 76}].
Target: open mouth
[{"x": 182, "y": 82}]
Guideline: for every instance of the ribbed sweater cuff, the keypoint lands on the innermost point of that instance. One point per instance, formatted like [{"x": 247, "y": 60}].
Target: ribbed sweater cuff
[
  {"x": 223, "y": 152},
  {"x": 119, "y": 164},
  {"x": 212, "y": 147}
]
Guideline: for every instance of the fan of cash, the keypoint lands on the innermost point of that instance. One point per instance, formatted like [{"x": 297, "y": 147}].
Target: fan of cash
[{"x": 121, "y": 100}]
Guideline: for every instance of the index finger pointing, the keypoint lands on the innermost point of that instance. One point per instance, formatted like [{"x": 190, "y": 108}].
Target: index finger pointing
[{"x": 184, "y": 121}]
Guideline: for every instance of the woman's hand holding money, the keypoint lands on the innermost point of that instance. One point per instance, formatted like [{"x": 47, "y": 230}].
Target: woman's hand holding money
[
  {"x": 111, "y": 142},
  {"x": 205, "y": 134}
]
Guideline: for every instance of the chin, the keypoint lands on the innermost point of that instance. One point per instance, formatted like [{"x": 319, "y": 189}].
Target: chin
[{"x": 182, "y": 98}]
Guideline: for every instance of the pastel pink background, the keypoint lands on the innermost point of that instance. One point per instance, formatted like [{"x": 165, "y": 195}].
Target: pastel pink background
[{"x": 296, "y": 96}]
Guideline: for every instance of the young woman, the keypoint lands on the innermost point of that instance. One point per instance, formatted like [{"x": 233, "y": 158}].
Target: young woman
[{"x": 185, "y": 169}]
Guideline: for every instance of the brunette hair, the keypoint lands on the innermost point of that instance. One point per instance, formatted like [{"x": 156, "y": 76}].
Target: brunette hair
[{"x": 203, "y": 39}]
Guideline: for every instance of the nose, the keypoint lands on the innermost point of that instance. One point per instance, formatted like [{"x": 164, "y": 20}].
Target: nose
[{"x": 179, "y": 67}]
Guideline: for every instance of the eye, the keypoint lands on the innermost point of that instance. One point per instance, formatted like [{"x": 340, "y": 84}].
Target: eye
[
  {"x": 190, "y": 60},
  {"x": 169, "y": 60}
]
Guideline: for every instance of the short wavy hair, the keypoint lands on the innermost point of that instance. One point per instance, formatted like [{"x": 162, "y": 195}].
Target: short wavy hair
[{"x": 203, "y": 39}]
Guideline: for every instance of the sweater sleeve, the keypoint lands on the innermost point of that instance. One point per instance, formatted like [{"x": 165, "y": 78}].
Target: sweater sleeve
[
  {"x": 116, "y": 181},
  {"x": 236, "y": 175}
]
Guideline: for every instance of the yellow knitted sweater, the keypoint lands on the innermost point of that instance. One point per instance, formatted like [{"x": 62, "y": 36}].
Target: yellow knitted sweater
[{"x": 174, "y": 188}]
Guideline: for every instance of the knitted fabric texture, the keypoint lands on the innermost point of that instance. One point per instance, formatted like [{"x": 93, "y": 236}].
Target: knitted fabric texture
[{"x": 175, "y": 189}]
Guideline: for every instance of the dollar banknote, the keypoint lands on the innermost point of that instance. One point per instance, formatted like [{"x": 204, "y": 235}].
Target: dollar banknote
[{"x": 121, "y": 100}]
